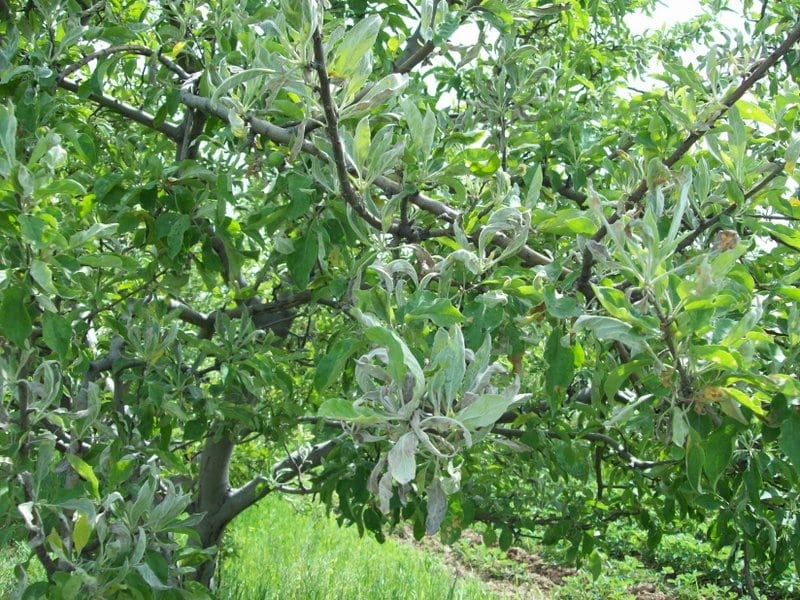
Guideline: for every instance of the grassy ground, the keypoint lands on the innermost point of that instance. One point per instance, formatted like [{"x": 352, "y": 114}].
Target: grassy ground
[
  {"x": 277, "y": 550},
  {"x": 286, "y": 550}
]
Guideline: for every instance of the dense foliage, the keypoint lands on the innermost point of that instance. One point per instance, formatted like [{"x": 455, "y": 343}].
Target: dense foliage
[{"x": 502, "y": 265}]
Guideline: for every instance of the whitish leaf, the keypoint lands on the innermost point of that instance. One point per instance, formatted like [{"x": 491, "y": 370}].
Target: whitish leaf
[
  {"x": 400, "y": 357},
  {"x": 150, "y": 577},
  {"x": 385, "y": 492},
  {"x": 26, "y": 510},
  {"x": 374, "y": 476},
  {"x": 238, "y": 126},
  {"x": 8, "y": 139},
  {"x": 238, "y": 79},
  {"x": 388, "y": 87},
  {"x": 609, "y": 329},
  {"x": 361, "y": 143},
  {"x": 437, "y": 507},
  {"x": 484, "y": 411},
  {"x": 356, "y": 43},
  {"x": 96, "y": 231},
  {"x": 402, "y": 458}
]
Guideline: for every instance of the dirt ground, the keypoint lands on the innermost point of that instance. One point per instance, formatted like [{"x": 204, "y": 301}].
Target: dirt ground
[{"x": 542, "y": 578}]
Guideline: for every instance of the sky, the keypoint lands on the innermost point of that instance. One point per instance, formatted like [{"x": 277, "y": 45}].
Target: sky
[{"x": 670, "y": 12}]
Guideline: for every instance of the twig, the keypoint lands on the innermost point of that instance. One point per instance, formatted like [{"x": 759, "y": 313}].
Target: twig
[
  {"x": 124, "y": 49},
  {"x": 590, "y": 436},
  {"x": 136, "y": 115},
  {"x": 708, "y": 223},
  {"x": 332, "y": 125},
  {"x": 758, "y": 71}
]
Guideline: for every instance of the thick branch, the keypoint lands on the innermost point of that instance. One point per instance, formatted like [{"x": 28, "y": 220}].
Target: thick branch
[
  {"x": 289, "y": 468},
  {"x": 131, "y": 113},
  {"x": 213, "y": 477}
]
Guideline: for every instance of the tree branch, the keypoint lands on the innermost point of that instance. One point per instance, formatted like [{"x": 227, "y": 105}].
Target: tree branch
[
  {"x": 124, "y": 49},
  {"x": 284, "y": 137},
  {"x": 332, "y": 125},
  {"x": 291, "y": 467},
  {"x": 591, "y": 436},
  {"x": 131, "y": 113},
  {"x": 757, "y": 72}
]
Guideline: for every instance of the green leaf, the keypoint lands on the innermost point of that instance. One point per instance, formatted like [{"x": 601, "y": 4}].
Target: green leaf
[
  {"x": 695, "y": 459},
  {"x": 441, "y": 311},
  {"x": 100, "y": 261},
  {"x": 57, "y": 333},
  {"x": 340, "y": 409},
  {"x": 361, "y": 143},
  {"x": 789, "y": 439},
  {"x": 745, "y": 399},
  {"x": 716, "y": 355},
  {"x": 81, "y": 531},
  {"x": 303, "y": 259},
  {"x": 238, "y": 79},
  {"x": 595, "y": 564},
  {"x": 560, "y": 360},
  {"x": 718, "y": 448},
  {"x": 175, "y": 236},
  {"x": 561, "y": 307},
  {"x": 330, "y": 367},
  {"x": 86, "y": 472},
  {"x": 40, "y": 271},
  {"x": 15, "y": 322},
  {"x": 505, "y": 539},
  {"x": 567, "y": 221},
  {"x": 481, "y": 162}
]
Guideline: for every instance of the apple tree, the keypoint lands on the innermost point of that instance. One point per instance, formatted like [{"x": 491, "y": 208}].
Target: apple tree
[{"x": 501, "y": 265}]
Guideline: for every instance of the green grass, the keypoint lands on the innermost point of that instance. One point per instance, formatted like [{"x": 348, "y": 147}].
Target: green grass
[
  {"x": 277, "y": 550},
  {"x": 8, "y": 577}
]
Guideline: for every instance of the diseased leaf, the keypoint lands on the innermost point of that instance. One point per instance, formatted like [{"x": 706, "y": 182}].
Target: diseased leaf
[
  {"x": 610, "y": 329},
  {"x": 484, "y": 411},
  {"x": 356, "y": 43},
  {"x": 400, "y": 357},
  {"x": 402, "y": 458},
  {"x": 437, "y": 506}
]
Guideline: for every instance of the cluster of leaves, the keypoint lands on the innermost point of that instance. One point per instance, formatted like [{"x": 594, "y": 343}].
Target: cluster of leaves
[{"x": 223, "y": 221}]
